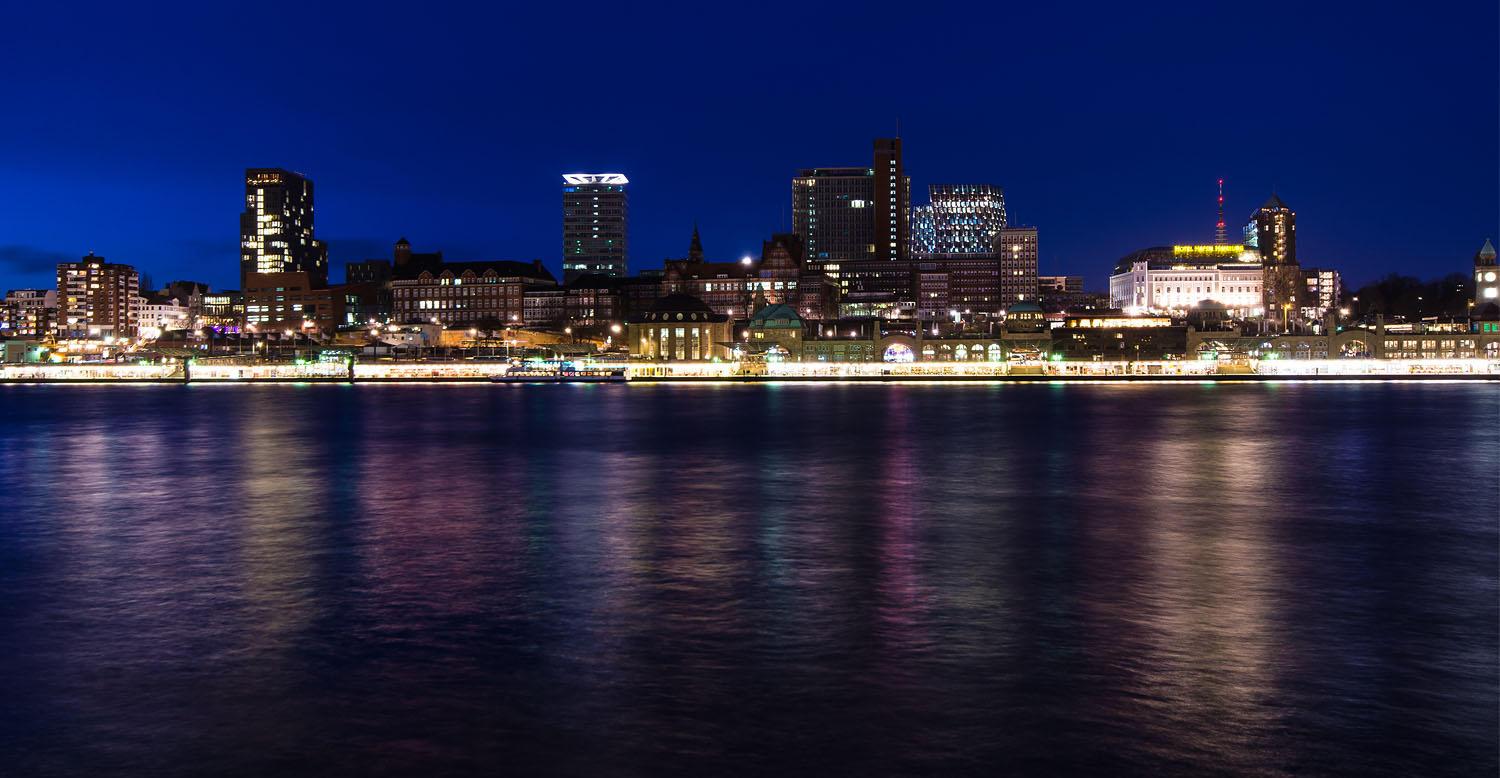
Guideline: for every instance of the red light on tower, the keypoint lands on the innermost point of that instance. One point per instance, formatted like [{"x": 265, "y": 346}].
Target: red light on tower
[{"x": 1219, "y": 230}]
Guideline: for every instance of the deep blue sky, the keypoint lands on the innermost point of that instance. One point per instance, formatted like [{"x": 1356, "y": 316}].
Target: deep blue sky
[{"x": 128, "y": 126}]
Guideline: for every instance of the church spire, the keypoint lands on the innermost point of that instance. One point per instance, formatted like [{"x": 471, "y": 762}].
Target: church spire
[{"x": 695, "y": 249}]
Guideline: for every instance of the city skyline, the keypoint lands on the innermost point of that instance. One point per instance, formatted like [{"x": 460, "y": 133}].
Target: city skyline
[{"x": 1145, "y": 174}]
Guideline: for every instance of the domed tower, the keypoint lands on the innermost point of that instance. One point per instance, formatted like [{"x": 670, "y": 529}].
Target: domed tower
[{"x": 1486, "y": 277}]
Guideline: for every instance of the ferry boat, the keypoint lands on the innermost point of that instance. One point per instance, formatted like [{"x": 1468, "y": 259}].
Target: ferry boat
[
  {"x": 534, "y": 373},
  {"x": 528, "y": 375}
]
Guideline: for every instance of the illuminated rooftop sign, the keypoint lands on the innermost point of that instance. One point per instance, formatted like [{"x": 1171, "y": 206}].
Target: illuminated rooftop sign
[
  {"x": 1220, "y": 249},
  {"x": 1118, "y": 322},
  {"x": 595, "y": 178}
]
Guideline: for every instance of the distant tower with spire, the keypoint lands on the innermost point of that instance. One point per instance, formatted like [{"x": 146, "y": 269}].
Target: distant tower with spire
[
  {"x": 695, "y": 249},
  {"x": 1219, "y": 237}
]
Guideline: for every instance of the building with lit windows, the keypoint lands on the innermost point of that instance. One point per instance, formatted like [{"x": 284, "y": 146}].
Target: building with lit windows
[
  {"x": 680, "y": 327},
  {"x": 1017, "y": 251},
  {"x": 1486, "y": 280},
  {"x": 1176, "y": 278},
  {"x": 1323, "y": 288},
  {"x": 1272, "y": 234},
  {"x": 961, "y": 219},
  {"x": 224, "y": 309},
  {"x": 848, "y": 214},
  {"x": 157, "y": 313},
  {"x": 464, "y": 292},
  {"x": 596, "y": 225},
  {"x": 1066, "y": 294},
  {"x": 96, "y": 299},
  {"x": 738, "y": 289},
  {"x": 276, "y": 229},
  {"x": 295, "y": 301},
  {"x": 931, "y": 287},
  {"x": 28, "y": 313}
]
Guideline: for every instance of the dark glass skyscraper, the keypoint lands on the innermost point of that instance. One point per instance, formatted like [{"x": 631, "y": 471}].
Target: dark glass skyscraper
[
  {"x": 596, "y": 225},
  {"x": 276, "y": 229},
  {"x": 849, "y": 214}
]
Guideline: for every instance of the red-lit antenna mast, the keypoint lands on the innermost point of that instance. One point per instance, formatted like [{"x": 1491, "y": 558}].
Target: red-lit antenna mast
[{"x": 1219, "y": 231}]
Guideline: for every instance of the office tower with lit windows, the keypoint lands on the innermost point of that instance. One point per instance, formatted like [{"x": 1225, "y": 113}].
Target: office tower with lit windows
[
  {"x": 962, "y": 219},
  {"x": 1272, "y": 233},
  {"x": 892, "y": 201},
  {"x": 1016, "y": 248},
  {"x": 596, "y": 225},
  {"x": 851, "y": 214},
  {"x": 276, "y": 229}
]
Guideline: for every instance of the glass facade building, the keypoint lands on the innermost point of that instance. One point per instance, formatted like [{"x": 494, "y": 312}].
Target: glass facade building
[
  {"x": 276, "y": 229},
  {"x": 962, "y": 219},
  {"x": 850, "y": 214}
]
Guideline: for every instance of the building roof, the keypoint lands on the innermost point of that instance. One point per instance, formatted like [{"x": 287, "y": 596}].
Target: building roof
[
  {"x": 680, "y": 307},
  {"x": 712, "y": 270},
  {"x": 1025, "y": 306},
  {"x": 1486, "y": 252},
  {"x": 1274, "y": 203},
  {"x": 1167, "y": 258},
  {"x": 597, "y": 281},
  {"x": 503, "y": 268},
  {"x": 680, "y": 303},
  {"x": 778, "y": 316}
]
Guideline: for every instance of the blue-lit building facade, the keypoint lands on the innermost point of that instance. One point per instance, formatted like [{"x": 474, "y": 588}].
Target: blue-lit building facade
[{"x": 961, "y": 219}]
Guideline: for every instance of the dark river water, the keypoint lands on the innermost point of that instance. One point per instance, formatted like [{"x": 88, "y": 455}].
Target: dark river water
[{"x": 1173, "y": 580}]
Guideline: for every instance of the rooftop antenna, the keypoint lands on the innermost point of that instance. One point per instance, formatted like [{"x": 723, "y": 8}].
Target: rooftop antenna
[{"x": 1219, "y": 231}]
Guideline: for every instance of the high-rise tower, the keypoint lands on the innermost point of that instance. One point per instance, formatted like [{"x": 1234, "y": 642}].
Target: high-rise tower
[
  {"x": 1219, "y": 236},
  {"x": 596, "y": 225},
  {"x": 1272, "y": 232},
  {"x": 846, "y": 214},
  {"x": 96, "y": 298},
  {"x": 276, "y": 229},
  {"x": 892, "y": 237}
]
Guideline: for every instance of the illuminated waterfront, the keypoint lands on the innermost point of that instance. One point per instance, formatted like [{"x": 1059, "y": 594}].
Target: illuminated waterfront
[
  {"x": 1258, "y": 580},
  {"x": 340, "y": 370}
]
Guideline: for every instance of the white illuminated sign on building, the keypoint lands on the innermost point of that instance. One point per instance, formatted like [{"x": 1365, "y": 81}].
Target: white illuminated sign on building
[{"x": 595, "y": 178}]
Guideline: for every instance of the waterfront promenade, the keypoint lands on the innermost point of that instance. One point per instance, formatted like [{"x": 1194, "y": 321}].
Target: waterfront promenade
[{"x": 435, "y": 371}]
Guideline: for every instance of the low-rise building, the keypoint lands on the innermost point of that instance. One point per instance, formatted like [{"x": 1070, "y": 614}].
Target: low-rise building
[
  {"x": 224, "y": 310},
  {"x": 292, "y": 301},
  {"x": 158, "y": 313},
  {"x": 28, "y": 313},
  {"x": 680, "y": 327},
  {"x": 1175, "y": 278},
  {"x": 465, "y": 292}
]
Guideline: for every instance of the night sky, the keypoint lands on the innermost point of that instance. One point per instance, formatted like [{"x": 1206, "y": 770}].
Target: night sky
[{"x": 128, "y": 126}]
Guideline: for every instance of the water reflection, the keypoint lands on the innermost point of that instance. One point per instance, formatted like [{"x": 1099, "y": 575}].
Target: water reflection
[{"x": 1172, "y": 580}]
